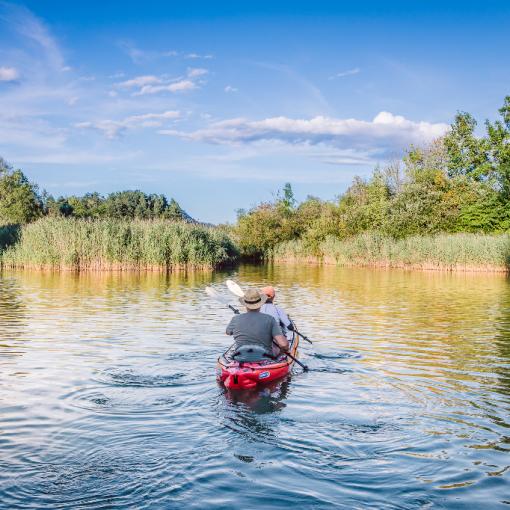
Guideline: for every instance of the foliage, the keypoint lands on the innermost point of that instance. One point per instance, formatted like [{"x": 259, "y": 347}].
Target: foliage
[
  {"x": 268, "y": 224},
  {"x": 121, "y": 204},
  {"x": 9, "y": 234},
  {"x": 459, "y": 183},
  {"x": 19, "y": 198},
  {"x": 485, "y": 158}
]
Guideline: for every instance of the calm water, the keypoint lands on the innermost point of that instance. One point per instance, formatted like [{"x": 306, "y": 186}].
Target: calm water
[{"x": 108, "y": 396}]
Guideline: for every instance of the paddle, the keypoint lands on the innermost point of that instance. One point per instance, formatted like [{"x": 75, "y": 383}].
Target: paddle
[
  {"x": 218, "y": 297},
  {"x": 236, "y": 290}
]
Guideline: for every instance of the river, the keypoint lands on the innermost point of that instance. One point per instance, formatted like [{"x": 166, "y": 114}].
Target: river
[{"x": 108, "y": 398}]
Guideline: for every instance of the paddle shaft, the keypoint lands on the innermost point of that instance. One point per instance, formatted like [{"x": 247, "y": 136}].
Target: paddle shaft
[
  {"x": 303, "y": 366},
  {"x": 302, "y": 336}
]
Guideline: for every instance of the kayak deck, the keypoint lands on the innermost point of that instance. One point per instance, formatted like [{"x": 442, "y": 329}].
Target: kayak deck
[{"x": 248, "y": 375}]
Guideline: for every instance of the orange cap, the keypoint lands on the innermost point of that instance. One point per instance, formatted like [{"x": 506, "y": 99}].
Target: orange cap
[{"x": 269, "y": 292}]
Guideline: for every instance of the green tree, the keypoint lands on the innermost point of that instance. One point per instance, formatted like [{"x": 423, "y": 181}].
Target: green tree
[
  {"x": 19, "y": 198},
  {"x": 57, "y": 207},
  {"x": 90, "y": 205},
  {"x": 286, "y": 199},
  {"x": 365, "y": 204},
  {"x": 467, "y": 154},
  {"x": 173, "y": 211},
  {"x": 498, "y": 148}
]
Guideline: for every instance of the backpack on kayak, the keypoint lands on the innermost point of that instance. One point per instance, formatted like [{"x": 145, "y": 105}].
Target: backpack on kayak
[{"x": 250, "y": 353}]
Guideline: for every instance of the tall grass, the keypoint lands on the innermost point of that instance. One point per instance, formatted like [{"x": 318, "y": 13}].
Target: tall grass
[
  {"x": 64, "y": 243},
  {"x": 442, "y": 251}
]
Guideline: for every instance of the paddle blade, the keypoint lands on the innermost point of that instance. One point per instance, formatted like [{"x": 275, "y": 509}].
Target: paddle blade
[
  {"x": 214, "y": 294},
  {"x": 234, "y": 288}
]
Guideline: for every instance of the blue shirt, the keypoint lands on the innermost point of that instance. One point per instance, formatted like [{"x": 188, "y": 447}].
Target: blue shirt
[{"x": 277, "y": 313}]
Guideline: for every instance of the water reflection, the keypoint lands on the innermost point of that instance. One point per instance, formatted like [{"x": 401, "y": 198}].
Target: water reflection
[
  {"x": 113, "y": 402},
  {"x": 267, "y": 399},
  {"x": 13, "y": 319}
]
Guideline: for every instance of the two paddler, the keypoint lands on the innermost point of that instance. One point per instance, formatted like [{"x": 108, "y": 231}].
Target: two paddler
[{"x": 256, "y": 328}]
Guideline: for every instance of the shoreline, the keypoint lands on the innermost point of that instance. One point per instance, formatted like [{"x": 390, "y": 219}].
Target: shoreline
[
  {"x": 426, "y": 266},
  {"x": 109, "y": 268},
  {"x": 290, "y": 261}
]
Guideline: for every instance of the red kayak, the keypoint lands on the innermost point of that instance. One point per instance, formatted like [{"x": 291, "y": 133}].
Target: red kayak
[{"x": 246, "y": 375}]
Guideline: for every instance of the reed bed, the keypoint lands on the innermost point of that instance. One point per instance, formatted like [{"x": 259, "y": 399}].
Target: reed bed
[
  {"x": 78, "y": 244},
  {"x": 469, "y": 252}
]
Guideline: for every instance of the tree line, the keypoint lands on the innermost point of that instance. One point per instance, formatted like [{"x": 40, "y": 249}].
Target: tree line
[
  {"x": 21, "y": 202},
  {"x": 459, "y": 183}
]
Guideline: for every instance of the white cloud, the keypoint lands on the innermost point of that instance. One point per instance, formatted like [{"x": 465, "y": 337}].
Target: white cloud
[
  {"x": 113, "y": 128},
  {"x": 23, "y": 22},
  {"x": 139, "y": 56},
  {"x": 8, "y": 74},
  {"x": 19, "y": 131},
  {"x": 151, "y": 84},
  {"x": 349, "y": 72},
  {"x": 73, "y": 157},
  {"x": 385, "y": 134},
  {"x": 170, "y": 114},
  {"x": 194, "y": 72},
  {"x": 135, "y": 54},
  {"x": 139, "y": 81},
  {"x": 197, "y": 56},
  {"x": 229, "y": 88},
  {"x": 178, "y": 86}
]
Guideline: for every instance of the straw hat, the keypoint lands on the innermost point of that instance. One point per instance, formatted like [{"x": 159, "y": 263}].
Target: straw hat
[{"x": 253, "y": 299}]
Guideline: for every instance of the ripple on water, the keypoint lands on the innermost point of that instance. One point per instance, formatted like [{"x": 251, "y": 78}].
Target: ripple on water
[
  {"x": 406, "y": 403},
  {"x": 132, "y": 378},
  {"x": 115, "y": 476},
  {"x": 120, "y": 400},
  {"x": 336, "y": 355}
]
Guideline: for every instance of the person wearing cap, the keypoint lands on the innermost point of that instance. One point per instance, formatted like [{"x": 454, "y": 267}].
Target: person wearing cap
[
  {"x": 275, "y": 311},
  {"x": 257, "y": 328}
]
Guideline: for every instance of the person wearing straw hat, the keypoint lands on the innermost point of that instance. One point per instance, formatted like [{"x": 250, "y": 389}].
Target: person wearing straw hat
[
  {"x": 255, "y": 328},
  {"x": 275, "y": 311}
]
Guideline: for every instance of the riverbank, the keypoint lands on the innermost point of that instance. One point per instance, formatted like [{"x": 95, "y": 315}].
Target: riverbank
[
  {"x": 63, "y": 244},
  {"x": 110, "y": 244},
  {"x": 442, "y": 252}
]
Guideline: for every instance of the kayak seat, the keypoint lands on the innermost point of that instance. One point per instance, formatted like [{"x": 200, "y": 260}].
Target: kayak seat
[{"x": 250, "y": 353}]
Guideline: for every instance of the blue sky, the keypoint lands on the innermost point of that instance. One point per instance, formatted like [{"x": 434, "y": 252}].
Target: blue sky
[{"x": 218, "y": 104}]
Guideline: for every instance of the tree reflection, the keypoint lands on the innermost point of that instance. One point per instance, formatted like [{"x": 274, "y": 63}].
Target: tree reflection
[{"x": 12, "y": 317}]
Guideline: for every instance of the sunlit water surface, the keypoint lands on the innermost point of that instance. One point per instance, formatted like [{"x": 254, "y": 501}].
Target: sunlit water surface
[{"x": 108, "y": 396}]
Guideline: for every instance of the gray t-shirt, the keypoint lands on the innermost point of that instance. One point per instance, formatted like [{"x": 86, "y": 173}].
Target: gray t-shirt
[{"x": 254, "y": 328}]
